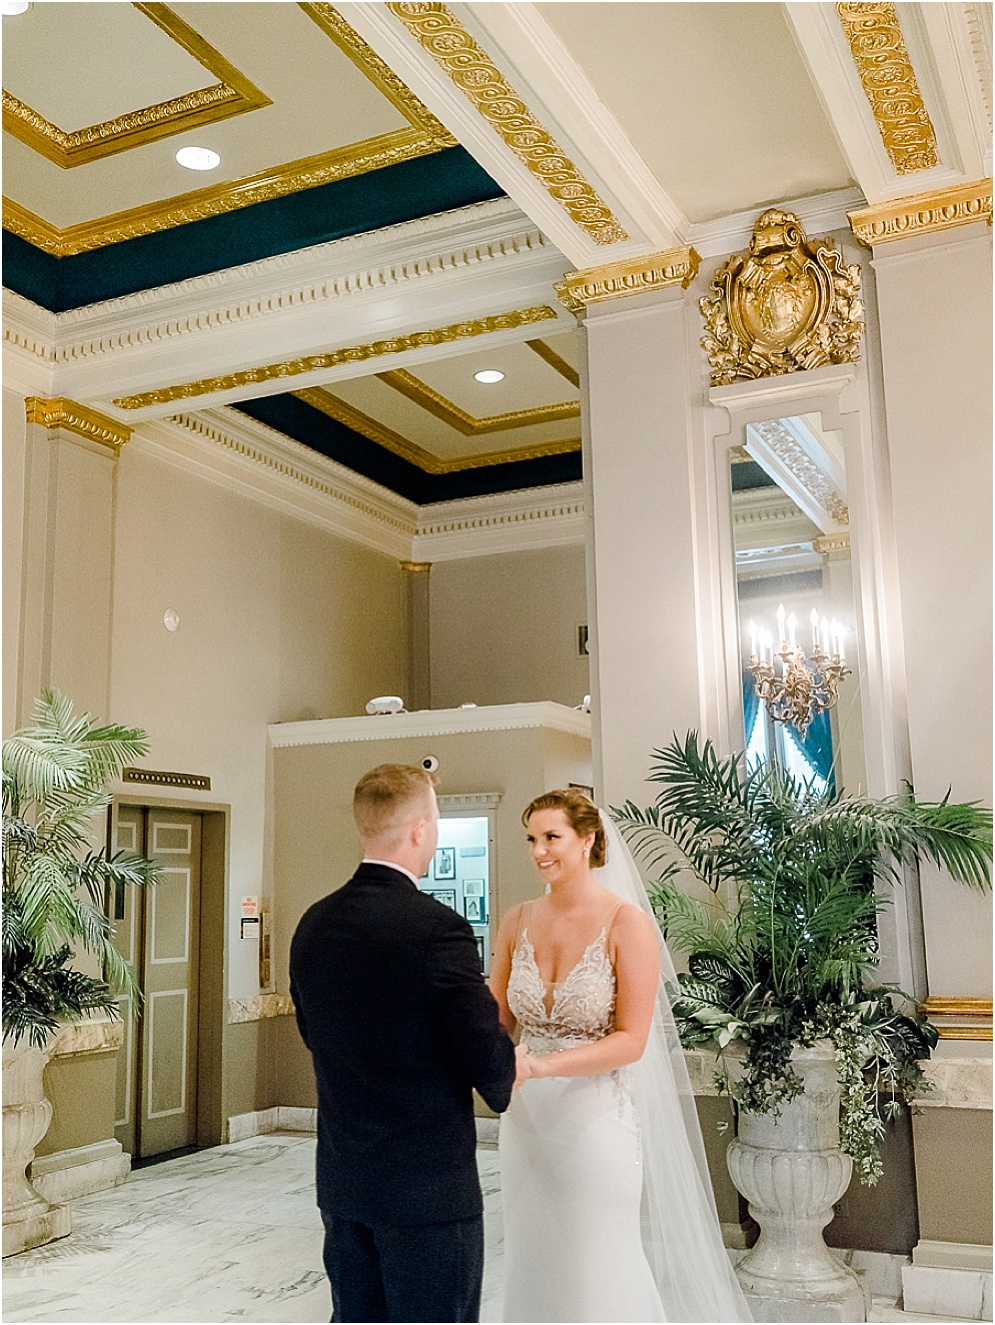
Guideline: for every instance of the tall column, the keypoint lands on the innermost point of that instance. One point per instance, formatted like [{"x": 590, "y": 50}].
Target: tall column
[
  {"x": 415, "y": 587},
  {"x": 932, "y": 262},
  {"x": 641, "y": 571},
  {"x": 67, "y": 554}
]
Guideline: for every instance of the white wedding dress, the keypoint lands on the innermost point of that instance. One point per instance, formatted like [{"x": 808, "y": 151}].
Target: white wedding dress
[
  {"x": 570, "y": 1160},
  {"x": 608, "y": 1207}
]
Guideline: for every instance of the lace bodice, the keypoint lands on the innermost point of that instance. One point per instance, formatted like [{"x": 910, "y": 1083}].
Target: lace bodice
[{"x": 581, "y": 1008}]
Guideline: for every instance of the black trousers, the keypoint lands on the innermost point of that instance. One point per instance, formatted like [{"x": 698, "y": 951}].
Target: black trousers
[{"x": 409, "y": 1272}]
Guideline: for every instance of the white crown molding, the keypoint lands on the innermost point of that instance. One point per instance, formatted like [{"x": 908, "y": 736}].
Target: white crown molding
[
  {"x": 507, "y": 522},
  {"x": 819, "y": 214},
  {"x": 459, "y": 266},
  {"x": 432, "y": 722},
  {"x": 230, "y": 449},
  {"x": 958, "y": 37},
  {"x": 29, "y": 334}
]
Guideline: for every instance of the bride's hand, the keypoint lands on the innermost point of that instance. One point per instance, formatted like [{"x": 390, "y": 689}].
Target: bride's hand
[{"x": 524, "y": 1066}]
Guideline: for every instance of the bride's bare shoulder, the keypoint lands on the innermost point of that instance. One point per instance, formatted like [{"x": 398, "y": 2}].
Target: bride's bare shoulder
[{"x": 632, "y": 923}]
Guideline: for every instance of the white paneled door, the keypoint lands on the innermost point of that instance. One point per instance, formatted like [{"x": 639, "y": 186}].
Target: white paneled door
[{"x": 158, "y": 931}]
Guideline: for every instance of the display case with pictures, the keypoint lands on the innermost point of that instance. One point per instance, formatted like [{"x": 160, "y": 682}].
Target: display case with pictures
[{"x": 461, "y": 870}]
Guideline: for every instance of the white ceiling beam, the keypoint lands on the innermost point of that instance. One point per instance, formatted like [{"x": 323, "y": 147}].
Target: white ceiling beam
[
  {"x": 415, "y": 66},
  {"x": 824, "y": 46}
]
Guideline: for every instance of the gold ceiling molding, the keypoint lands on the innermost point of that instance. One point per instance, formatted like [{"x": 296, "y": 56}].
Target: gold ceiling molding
[
  {"x": 924, "y": 214},
  {"x": 416, "y": 567},
  {"x": 335, "y": 407},
  {"x": 295, "y": 176},
  {"x": 889, "y": 82},
  {"x": 80, "y": 419},
  {"x": 473, "y": 71},
  {"x": 788, "y": 304},
  {"x": 677, "y": 266},
  {"x": 560, "y": 365},
  {"x": 449, "y": 412},
  {"x": 233, "y": 94},
  {"x": 333, "y": 358},
  {"x": 828, "y": 544},
  {"x": 380, "y": 74},
  {"x": 424, "y": 136}
]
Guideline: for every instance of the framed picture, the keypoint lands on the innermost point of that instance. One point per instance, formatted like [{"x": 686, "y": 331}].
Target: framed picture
[
  {"x": 475, "y": 910},
  {"x": 447, "y": 896},
  {"x": 473, "y": 887},
  {"x": 445, "y": 863},
  {"x": 482, "y": 950}
]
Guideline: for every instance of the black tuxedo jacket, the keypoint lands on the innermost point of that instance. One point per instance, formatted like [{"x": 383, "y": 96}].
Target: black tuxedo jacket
[{"x": 390, "y": 1000}]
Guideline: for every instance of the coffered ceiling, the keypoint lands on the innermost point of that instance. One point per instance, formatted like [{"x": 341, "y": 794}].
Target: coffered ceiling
[{"x": 402, "y": 186}]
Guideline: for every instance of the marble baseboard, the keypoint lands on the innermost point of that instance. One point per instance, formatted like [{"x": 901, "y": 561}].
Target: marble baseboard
[
  {"x": 929, "y": 1291},
  {"x": 953, "y": 1256},
  {"x": 66, "y": 1175},
  {"x": 280, "y": 1118}
]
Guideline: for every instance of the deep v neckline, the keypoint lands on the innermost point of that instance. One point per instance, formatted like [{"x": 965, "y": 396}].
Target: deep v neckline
[{"x": 555, "y": 988}]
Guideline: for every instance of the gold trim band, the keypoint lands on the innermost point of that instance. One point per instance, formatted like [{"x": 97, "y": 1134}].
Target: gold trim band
[
  {"x": 964, "y": 1032},
  {"x": 351, "y": 354},
  {"x": 889, "y": 83},
  {"x": 335, "y": 407},
  {"x": 80, "y": 419},
  {"x": 416, "y": 567},
  {"x": 449, "y": 412},
  {"x": 957, "y": 1007},
  {"x": 923, "y": 214},
  {"x": 233, "y": 94},
  {"x": 555, "y": 362},
  {"x": 677, "y": 266},
  {"x": 473, "y": 71}
]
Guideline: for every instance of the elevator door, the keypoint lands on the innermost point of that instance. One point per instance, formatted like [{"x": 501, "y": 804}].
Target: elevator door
[{"x": 158, "y": 931}]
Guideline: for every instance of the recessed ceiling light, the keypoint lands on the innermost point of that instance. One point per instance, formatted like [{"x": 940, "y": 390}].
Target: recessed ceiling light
[
  {"x": 14, "y": 7},
  {"x": 489, "y": 375},
  {"x": 198, "y": 158}
]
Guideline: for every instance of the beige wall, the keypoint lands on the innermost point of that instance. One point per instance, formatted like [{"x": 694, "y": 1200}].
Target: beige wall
[
  {"x": 14, "y": 440},
  {"x": 504, "y": 628},
  {"x": 278, "y": 620}
]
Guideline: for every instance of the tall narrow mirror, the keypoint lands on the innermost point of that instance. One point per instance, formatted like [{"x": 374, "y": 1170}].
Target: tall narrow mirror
[{"x": 792, "y": 544}]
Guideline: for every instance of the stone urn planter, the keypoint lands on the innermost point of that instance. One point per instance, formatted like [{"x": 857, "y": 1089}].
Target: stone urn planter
[
  {"x": 791, "y": 1170},
  {"x": 28, "y": 1219}
]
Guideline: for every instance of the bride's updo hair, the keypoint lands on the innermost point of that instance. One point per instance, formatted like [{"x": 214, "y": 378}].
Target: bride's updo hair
[{"x": 583, "y": 814}]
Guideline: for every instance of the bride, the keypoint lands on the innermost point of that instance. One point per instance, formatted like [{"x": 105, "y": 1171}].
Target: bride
[{"x": 608, "y": 1210}]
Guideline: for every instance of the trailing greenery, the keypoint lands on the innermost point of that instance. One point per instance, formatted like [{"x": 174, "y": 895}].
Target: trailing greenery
[
  {"x": 789, "y": 960},
  {"x": 56, "y": 888}
]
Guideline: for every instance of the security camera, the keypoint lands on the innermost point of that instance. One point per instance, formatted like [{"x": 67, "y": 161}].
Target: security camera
[{"x": 430, "y": 764}]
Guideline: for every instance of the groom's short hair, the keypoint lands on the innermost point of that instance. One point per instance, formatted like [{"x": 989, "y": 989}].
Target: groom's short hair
[{"x": 387, "y": 798}]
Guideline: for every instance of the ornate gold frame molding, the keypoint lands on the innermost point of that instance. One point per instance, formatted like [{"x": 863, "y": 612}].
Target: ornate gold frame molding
[
  {"x": 615, "y": 280},
  {"x": 968, "y": 1012},
  {"x": 450, "y": 413},
  {"x": 425, "y": 136},
  {"x": 79, "y": 419},
  {"x": 923, "y": 214},
  {"x": 333, "y": 358},
  {"x": 232, "y": 94},
  {"x": 473, "y": 71},
  {"x": 335, "y": 407},
  {"x": 890, "y": 84}
]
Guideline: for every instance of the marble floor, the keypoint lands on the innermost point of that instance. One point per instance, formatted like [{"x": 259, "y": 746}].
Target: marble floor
[{"x": 228, "y": 1234}]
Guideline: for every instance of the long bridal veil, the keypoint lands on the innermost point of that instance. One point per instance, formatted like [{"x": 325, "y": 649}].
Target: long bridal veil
[{"x": 681, "y": 1233}]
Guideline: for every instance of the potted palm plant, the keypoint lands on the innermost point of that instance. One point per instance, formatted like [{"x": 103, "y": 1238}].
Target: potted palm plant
[
  {"x": 56, "y": 886},
  {"x": 781, "y": 948}
]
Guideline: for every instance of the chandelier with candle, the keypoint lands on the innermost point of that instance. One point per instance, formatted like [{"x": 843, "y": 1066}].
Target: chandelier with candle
[{"x": 802, "y": 686}]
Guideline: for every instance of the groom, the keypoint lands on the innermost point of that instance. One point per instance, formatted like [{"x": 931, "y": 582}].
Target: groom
[{"x": 390, "y": 1000}]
